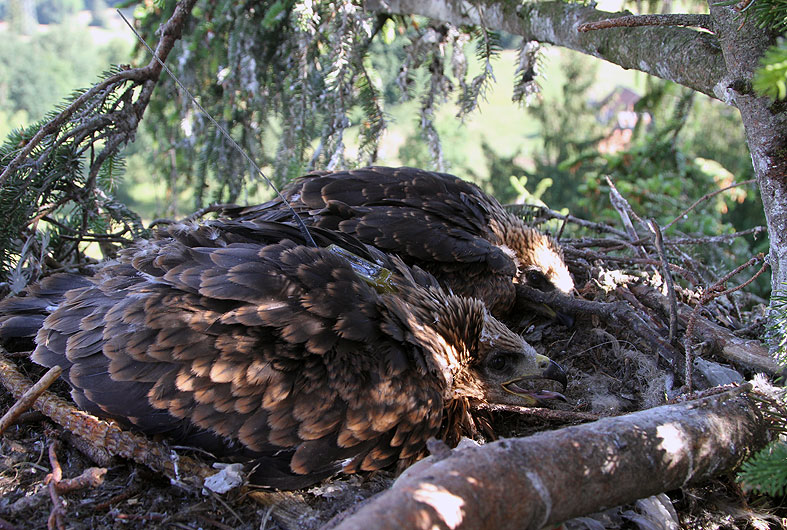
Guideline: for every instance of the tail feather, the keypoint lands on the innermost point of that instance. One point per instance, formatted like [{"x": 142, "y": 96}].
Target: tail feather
[
  {"x": 20, "y": 326},
  {"x": 22, "y": 316}
]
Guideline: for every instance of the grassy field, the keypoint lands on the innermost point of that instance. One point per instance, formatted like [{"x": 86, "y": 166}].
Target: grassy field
[{"x": 507, "y": 127}]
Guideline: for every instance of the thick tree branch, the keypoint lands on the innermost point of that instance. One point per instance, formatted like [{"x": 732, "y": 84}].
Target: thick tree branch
[
  {"x": 553, "y": 476},
  {"x": 634, "y": 21},
  {"x": 685, "y": 56}
]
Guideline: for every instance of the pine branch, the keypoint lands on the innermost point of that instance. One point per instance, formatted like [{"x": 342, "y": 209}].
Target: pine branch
[
  {"x": 771, "y": 79},
  {"x": 62, "y": 171},
  {"x": 685, "y": 56}
]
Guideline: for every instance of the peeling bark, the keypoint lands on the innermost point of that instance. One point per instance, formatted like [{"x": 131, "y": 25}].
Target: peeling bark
[
  {"x": 554, "y": 476},
  {"x": 686, "y": 56}
]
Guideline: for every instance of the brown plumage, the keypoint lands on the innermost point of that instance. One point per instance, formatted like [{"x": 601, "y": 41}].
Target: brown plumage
[
  {"x": 237, "y": 338},
  {"x": 447, "y": 226}
]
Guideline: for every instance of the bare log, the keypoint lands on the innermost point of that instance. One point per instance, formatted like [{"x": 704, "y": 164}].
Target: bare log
[{"x": 554, "y": 476}]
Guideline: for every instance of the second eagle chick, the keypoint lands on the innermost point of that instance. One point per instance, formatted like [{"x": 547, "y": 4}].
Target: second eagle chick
[{"x": 450, "y": 227}]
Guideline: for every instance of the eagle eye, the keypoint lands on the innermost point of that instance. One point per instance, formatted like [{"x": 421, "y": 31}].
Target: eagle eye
[
  {"x": 498, "y": 362},
  {"x": 537, "y": 279}
]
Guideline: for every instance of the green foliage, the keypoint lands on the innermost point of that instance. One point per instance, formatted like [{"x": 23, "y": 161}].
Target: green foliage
[
  {"x": 524, "y": 195},
  {"x": 487, "y": 49},
  {"x": 770, "y": 14},
  {"x": 289, "y": 74},
  {"x": 20, "y": 16},
  {"x": 57, "y": 11},
  {"x": 36, "y": 73},
  {"x": 305, "y": 85},
  {"x": 507, "y": 179},
  {"x": 771, "y": 78},
  {"x": 660, "y": 178},
  {"x": 60, "y": 197},
  {"x": 302, "y": 85},
  {"x": 98, "y": 12},
  {"x": 669, "y": 162},
  {"x": 373, "y": 124},
  {"x": 777, "y": 331},
  {"x": 766, "y": 472},
  {"x": 570, "y": 132}
]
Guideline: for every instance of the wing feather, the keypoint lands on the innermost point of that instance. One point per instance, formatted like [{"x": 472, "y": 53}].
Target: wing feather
[{"x": 229, "y": 338}]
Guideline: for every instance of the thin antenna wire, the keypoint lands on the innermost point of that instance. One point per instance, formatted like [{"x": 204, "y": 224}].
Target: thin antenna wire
[{"x": 301, "y": 225}]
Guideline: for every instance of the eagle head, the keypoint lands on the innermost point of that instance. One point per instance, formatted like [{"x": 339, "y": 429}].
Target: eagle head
[
  {"x": 539, "y": 258},
  {"x": 481, "y": 359}
]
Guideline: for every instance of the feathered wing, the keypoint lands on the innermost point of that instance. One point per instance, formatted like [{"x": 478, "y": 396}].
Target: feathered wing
[
  {"x": 419, "y": 214},
  {"x": 22, "y": 316},
  {"x": 280, "y": 351},
  {"x": 433, "y": 220}
]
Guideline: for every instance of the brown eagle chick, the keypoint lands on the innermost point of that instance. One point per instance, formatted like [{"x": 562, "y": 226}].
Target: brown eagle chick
[
  {"x": 447, "y": 226},
  {"x": 237, "y": 338}
]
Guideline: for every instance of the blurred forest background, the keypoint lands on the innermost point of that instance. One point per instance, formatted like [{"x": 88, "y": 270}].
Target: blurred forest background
[{"x": 663, "y": 145}]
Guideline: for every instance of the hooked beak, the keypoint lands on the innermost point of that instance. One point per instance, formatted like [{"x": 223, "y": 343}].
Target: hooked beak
[
  {"x": 549, "y": 370},
  {"x": 553, "y": 371}
]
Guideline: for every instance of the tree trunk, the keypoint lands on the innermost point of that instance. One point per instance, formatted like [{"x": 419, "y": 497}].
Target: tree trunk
[
  {"x": 765, "y": 123},
  {"x": 550, "y": 477}
]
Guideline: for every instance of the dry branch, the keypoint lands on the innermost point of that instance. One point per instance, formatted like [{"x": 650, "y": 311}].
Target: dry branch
[
  {"x": 547, "y": 213},
  {"x": 626, "y": 212},
  {"x": 712, "y": 292},
  {"x": 751, "y": 354},
  {"x": 28, "y": 398},
  {"x": 170, "y": 33},
  {"x": 553, "y": 476},
  {"x": 673, "y": 301},
  {"x": 705, "y": 198},
  {"x": 589, "y": 254},
  {"x": 618, "y": 315}
]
